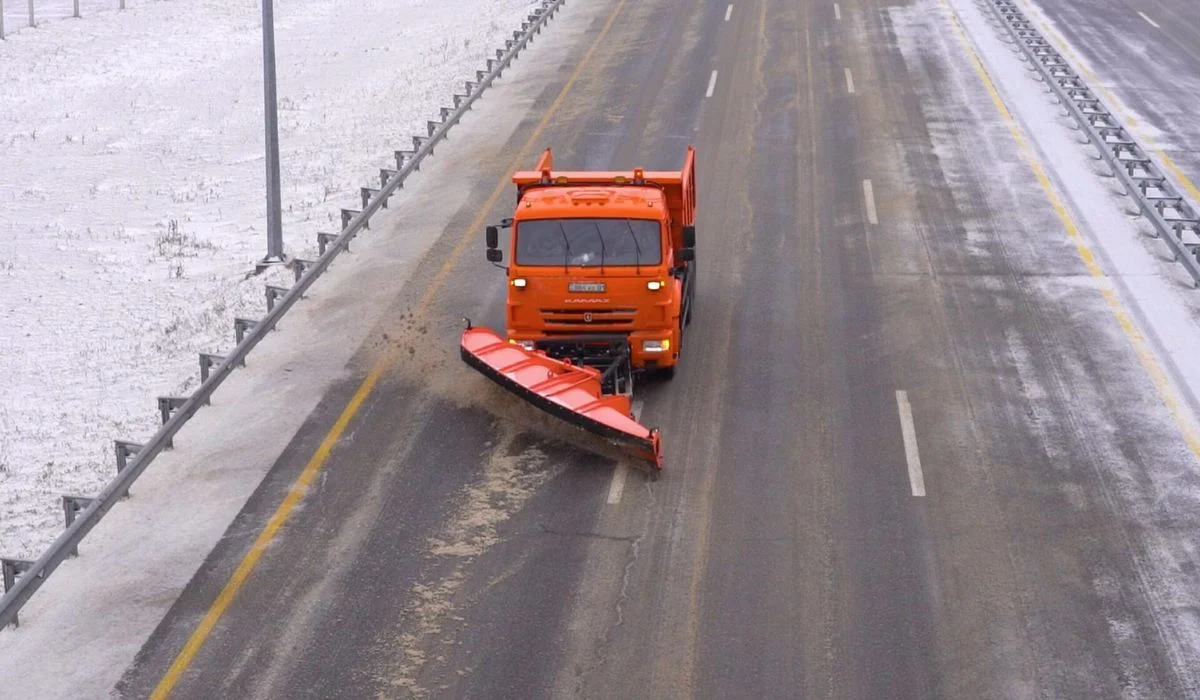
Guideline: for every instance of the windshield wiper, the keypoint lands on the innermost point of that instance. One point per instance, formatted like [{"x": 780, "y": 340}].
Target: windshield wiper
[
  {"x": 637, "y": 260},
  {"x": 567, "y": 245},
  {"x": 603, "y": 252}
]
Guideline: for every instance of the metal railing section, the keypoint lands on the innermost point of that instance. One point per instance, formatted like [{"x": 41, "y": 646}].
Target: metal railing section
[
  {"x": 23, "y": 578},
  {"x": 1174, "y": 218}
]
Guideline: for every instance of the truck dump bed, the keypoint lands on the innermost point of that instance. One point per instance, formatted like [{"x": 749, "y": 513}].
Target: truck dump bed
[{"x": 679, "y": 187}]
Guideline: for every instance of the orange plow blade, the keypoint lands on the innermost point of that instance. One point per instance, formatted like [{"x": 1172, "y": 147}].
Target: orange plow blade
[{"x": 563, "y": 390}]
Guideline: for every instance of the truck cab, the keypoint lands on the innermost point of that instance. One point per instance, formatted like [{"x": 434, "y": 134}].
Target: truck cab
[{"x": 601, "y": 265}]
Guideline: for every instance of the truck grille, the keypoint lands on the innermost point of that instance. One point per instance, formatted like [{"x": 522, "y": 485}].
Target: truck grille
[{"x": 589, "y": 317}]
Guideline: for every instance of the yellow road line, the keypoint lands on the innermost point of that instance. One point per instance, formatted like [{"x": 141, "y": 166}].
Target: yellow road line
[
  {"x": 1148, "y": 361},
  {"x": 248, "y": 563}
]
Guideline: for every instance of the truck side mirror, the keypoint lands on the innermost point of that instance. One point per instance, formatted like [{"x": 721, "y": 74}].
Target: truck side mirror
[
  {"x": 685, "y": 255},
  {"x": 492, "y": 234},
  {"x": 495, "y": 255},
  {"x": 689, "y": 236}
]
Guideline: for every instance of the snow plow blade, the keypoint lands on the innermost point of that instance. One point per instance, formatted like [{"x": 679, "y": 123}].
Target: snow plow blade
[{"x": 563, "y": 390}]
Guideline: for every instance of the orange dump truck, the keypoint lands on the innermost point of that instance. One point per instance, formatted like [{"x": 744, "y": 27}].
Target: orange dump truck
[{"x": 601, "y": 283}]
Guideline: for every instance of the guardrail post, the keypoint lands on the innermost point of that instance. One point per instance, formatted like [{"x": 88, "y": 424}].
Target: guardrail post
[
  {"x": 31, "y": 22},
  {"x": 299, "y": 266},
  {"x": 240, "y": 326},
  {"x": 386, "y": 174},
  {"x": 1, "y": 19},
  {"x": 125, "y": 449},
  {"x": 274, "y": 294},
  {"x": 366, "y": 193},
  {"x": 10, "y": 569},
  {"x": 207, "y": 362},
  {"x": 71, "y": 507},
  {"x": 348, "y": 214},
  {"x": 403, "y": 157},
  {"x": 76, "y": 9},
  {"x": 323, "y": 241},
  {"x": 167, "y": 406}
]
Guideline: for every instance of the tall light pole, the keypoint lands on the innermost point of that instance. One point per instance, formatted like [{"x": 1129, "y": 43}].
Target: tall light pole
[{"x": 274, "y": 214}]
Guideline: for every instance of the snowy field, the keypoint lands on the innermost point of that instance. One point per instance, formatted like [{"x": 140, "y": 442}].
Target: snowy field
[{"x": 131, "y": 201}]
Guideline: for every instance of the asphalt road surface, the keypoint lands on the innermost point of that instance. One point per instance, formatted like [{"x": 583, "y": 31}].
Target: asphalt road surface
[{"x": 456, "y": 544}]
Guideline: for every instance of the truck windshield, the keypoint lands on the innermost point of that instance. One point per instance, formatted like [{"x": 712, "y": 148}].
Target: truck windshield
[{"x": 588, "y": 242}]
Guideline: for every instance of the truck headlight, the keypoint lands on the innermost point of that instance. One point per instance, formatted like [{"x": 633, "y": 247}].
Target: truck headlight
[
  {"x": 656, "y": 345},
  {"x": 519, "y": 282},
  {"x": 527, "y": 344},
  {"x": 654, "y": 285}
]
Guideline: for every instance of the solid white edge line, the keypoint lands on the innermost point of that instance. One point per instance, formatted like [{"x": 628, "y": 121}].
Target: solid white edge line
[
  {"x": 869, "y": 195},
  {"x": 837, "y": 11},
  {"x": 916, "y": 478},
  {"x": 618, "y": 483},
  {"x": 728, "y": 12},
  {"x": 849, "y": 82},
  {"x": 712, "y": 83},
  {"x": 1152, "y": 22},
  {"x": 617, "y": 486}
]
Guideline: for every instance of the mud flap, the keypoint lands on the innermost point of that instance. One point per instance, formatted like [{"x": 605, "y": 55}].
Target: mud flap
[{"x": 566, "y": 391}]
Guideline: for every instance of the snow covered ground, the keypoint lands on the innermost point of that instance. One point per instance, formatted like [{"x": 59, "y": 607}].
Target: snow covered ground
[{"x": 131, "y": 199}]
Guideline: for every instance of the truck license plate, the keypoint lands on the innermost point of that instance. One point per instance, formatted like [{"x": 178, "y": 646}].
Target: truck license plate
[{"x": 586, "y": 287}]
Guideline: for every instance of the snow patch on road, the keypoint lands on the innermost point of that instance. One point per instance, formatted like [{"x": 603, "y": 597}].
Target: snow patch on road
[
  {"x": 509, "y": 480},
  {"x": 131, "y": 207}
]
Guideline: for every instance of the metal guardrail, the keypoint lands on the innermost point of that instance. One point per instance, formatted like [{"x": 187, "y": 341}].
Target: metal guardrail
[
  {"x": 23, "y": 578},
  {"x": 1173, "y": 217}
]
